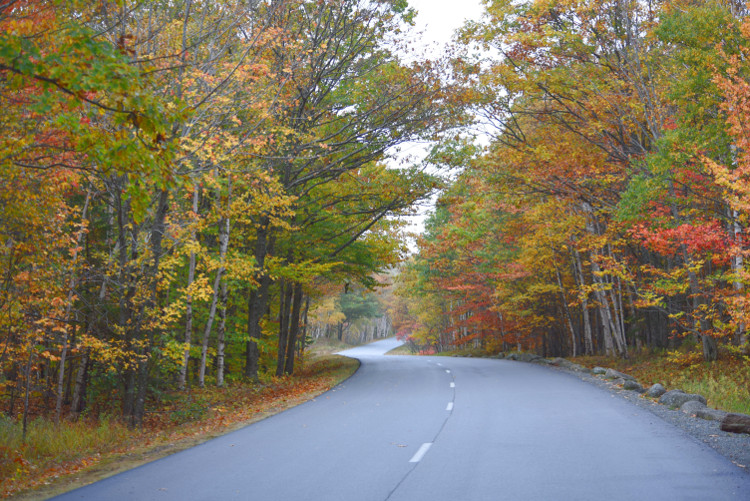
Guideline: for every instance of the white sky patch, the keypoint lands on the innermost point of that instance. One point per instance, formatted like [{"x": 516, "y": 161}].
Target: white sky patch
[
  {"x": 439, "y": 19},
  {"x": 435, "y": 25}
]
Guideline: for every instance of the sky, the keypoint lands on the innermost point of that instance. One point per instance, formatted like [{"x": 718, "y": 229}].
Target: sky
[
  {"x": 440, "y": 18},
  {"x": 436, "y": 22}
]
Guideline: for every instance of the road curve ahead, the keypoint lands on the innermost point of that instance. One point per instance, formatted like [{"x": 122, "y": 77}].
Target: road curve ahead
[{"x": 434, "y": 428}]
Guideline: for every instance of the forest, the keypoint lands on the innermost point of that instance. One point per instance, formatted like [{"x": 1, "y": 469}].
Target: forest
[
  {"x": 193, "y": 191},
  {"x": 608, "y": 211},
  {"x": 181, "y": 178}
]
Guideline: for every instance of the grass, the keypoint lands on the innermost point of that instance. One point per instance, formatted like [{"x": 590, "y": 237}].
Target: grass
[
  {"x": 725, "y": 383},
  {"x": 404, "y": 349},
  {"x": 50, "y": 450},
  {"x": 56, "y": 459},
  {"x": 464, "y": 352},
  {"x": 326, "y": 346}
]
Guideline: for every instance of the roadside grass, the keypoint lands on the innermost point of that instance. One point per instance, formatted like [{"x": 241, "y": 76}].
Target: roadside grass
[
  {"x": 56, "y": 459},
  {"x": 404, "y": 349},
  {"x": 464, "y": 352},
  {"x": 325, "y": 346},
  {"x": 725, "y": 383},
  {"x": 50, "y": 451}
]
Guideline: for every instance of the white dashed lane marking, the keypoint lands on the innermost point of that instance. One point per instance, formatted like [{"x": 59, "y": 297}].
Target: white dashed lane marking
[{"x": 416, "y": 458}]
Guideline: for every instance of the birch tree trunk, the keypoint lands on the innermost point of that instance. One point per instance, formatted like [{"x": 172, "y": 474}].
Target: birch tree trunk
[
  {"x": 588, "y": 342},
  {"x": 189, "y": 304},
  {"x": 568, "y": 316},
  {"x": 738, "y": 264},
  {"x": 223, "y": 246},
  {"x": 221, "y": 333}
]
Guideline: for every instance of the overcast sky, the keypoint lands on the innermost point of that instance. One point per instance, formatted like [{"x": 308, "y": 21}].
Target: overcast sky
[
  {"x": 437, "y": 20},
  {"x": 440, "y": 18}
]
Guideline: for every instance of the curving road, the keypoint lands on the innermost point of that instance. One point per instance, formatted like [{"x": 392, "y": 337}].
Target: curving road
[{"x": 434, "y": 428}]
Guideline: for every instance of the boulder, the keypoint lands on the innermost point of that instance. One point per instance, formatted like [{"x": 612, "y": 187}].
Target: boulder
[
  {"x": 619, "y": 381},
  {"x": 675, "y": 398},
  {"x": 711, "y": 414},
  {"x": 736, "y": 423},
  {"x": 578, "y": 368},
  {"x": 613, "y": 374},
  {"x": 692, "y": 407},
  {"x": 524, "y": 357},
  {"x": 567, "y": 364},
  {"x": 598, "y": 370},
  {"x": 656, "y": 391},
  {"x": 632, "y": 385}
]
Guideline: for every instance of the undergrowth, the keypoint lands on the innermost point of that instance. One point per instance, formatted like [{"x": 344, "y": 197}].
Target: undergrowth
[{"x": 725, "y": 383}]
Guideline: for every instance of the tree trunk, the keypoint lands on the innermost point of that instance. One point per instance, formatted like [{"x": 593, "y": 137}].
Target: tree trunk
[
  {"x": 220, "y": 334},
  {"x": 284, "y": 310},
  {"x": 291, "y": 342},
  {"x": 588, "y": 341},
  {"x": 127, "y": 253},
  {"x": 738, "y": 264},
  {"x": 257, "y": 301},
  {"x": 223, "y": 246},
  {"x": 68, "y": 309},
  {"x": 26, "y": 395},
  {"x": 78, "y": 402},
  {"x": 156, "y": 238},
  {"x": 303, "y": 335},
  {"x": 568, "y": 316},
  {"x": 189, "y": 305}
]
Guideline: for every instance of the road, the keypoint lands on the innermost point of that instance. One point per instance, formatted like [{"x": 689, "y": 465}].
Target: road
[{"x": 435, "y": 428}]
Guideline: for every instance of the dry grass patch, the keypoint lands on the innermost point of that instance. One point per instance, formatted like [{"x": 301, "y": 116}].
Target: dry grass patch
[{"x": 725, "y": 383}]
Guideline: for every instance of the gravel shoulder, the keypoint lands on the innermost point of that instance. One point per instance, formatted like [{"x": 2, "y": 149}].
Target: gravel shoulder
[{"x": 734, "y": 446}]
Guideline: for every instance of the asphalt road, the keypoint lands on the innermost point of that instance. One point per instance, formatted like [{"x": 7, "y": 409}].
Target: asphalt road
[{"x": 435, "y": 428}]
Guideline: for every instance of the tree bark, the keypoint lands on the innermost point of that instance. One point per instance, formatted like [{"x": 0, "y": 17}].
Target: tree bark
[
  {"x": 26, "y": 395},
  {"x": 257, "y": 300},
  {"x": 223, "y": 246},
  {"x": 78, "y": 402},
  {"x": 303, "y": 335},
  {"x": 568, "y": 316},
  {"x": 588, "y": 341},
  {"x": 68, "y": 309},
  {"x": 291, "y": 342},
  {"x": 220, "y": 334},
  {"x": 738, "y": 264},
  {"x": 189, "y": 305},
  {"x": 284, "y": 314},
  {"x": 157, "y": 236}
]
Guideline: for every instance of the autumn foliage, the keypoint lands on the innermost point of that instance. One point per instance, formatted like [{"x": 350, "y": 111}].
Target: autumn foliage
[
  {"x": 609, "y": 211},
  {"x": 181, "y": 180}
]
